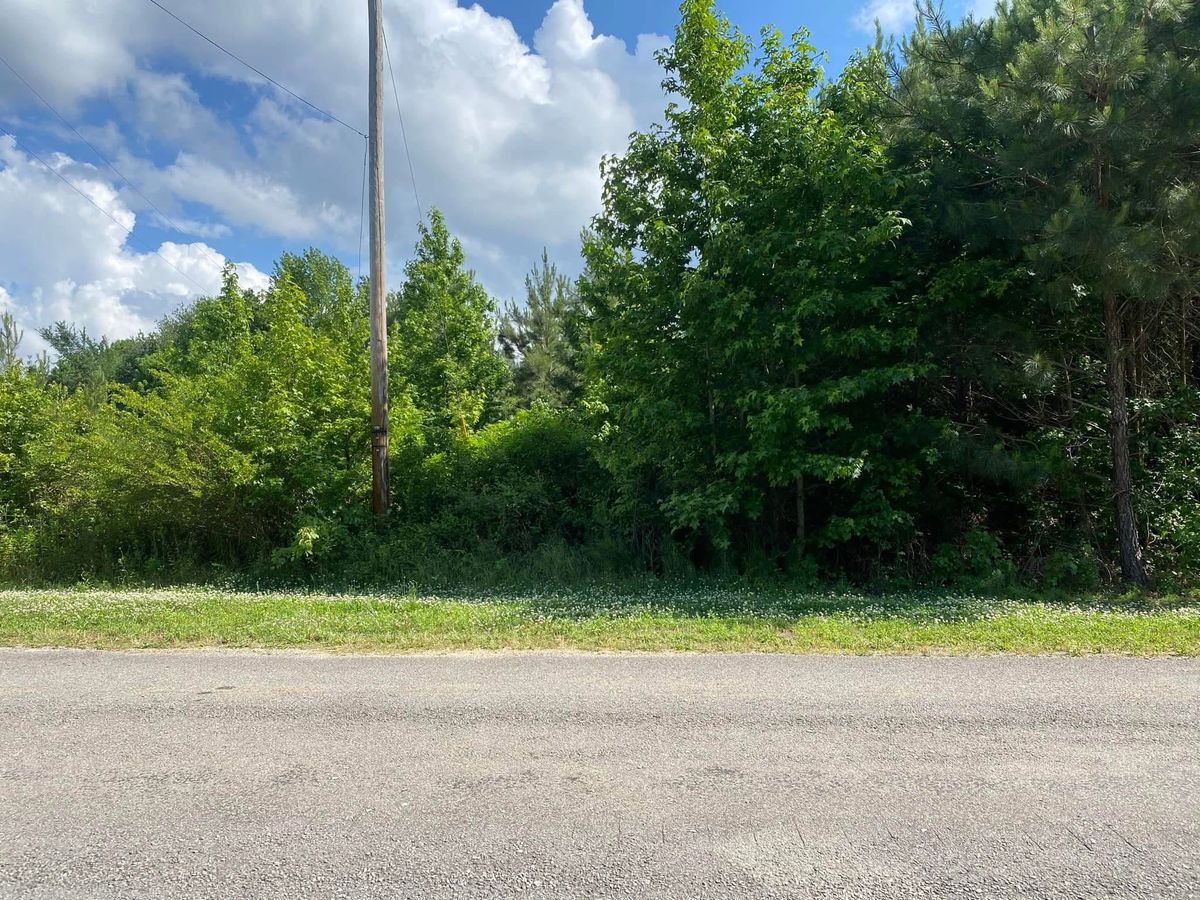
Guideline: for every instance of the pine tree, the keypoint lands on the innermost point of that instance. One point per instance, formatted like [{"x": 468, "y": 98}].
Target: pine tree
[
  {"x": 1074, "y": 123},
  {"x": 539, "y": 338},
  {"x": 10, "y": 341}
]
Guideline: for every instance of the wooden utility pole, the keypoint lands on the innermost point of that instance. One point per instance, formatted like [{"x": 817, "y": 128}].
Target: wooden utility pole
[{"x": 379, "y": 351}]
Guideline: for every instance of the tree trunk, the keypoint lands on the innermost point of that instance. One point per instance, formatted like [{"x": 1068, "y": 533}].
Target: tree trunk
[
  {"x": 801, "y": 530},
  {"x": 1133, "y": 567}
]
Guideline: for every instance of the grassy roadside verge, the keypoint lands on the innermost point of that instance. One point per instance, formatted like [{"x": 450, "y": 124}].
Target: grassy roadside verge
[{"x": 653, "y": 618}]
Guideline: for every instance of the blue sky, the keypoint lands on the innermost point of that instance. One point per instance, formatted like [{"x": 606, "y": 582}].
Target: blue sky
[
  {"x": 510, "y": 106},
  {"x": 833, "y": 30}
]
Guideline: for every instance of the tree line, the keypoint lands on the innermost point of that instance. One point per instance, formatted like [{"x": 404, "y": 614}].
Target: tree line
[{"x": 932, "y": 320}]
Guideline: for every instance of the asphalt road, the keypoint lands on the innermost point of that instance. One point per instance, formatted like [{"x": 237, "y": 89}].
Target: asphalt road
[{"x": 207, "y": 774}]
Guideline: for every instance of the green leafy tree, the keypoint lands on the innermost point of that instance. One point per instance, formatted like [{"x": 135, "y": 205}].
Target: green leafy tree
[
  {"x": 540, "y": 339},
  {"x": 330, "y": 296},
  {"x": 443, "y": 331},
  {"x": 210, "y": 333},
  {"x": 27, "y": 406},
  {"x": 254, "y": 432},
  {"x": 749, "y": 337},
  {"x": 1073, "y": 126},
  {"x": 90, "y": 365}
]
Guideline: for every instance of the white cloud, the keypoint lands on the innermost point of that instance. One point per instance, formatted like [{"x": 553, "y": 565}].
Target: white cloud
[
  {"x": 896, "y": 16},
  {"x": 505, "y": 138},
  {"x": 244, "y": 197},
  {"x": 67, "y": 260},
  {"x": 892, "y": 15},
  {"x": 193, "y": 227},
  {"x": 35, "y": 31}
]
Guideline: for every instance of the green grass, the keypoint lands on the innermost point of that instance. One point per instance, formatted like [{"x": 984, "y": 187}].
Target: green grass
[{"x": 653, "y": 617}]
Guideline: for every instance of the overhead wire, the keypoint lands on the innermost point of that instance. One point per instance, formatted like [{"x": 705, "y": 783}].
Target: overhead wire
[
  {"x": 324, "y": 112},
  {"x": 104, "y": 159},
  {"x": 362, "y": 209},
  {"x": 128, "y": 231},
  {"x": 403, "y": 132},
  {"x": 259, "y": 72}
]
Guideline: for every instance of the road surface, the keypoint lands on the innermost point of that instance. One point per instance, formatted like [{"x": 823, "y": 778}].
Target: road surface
[{"x": 209, "y": 774}]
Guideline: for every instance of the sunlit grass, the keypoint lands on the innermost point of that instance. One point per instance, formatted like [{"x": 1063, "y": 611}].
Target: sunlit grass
[{"x": 648, "y": 617}]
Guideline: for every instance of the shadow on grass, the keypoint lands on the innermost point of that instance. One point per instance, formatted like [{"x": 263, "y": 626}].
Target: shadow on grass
[
  {"x": 782, "y": 605},
  {"x": 774, "y": 603}
]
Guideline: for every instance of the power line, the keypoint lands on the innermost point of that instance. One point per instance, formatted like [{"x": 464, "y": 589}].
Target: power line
[
  {"x": 128, "y": 231},
  {"x": 256, "y": 71},
  {"x": 102, "y": 157},
  {"x": 403, "y": 134},
  {"x": 260, "y": 73},
  {"x": 362, "y": 210}
]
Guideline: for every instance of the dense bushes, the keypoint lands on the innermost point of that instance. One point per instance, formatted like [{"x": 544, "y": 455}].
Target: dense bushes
[
  {"x": 253, "y": 420},
  {"x": 243, "y": 446},
  {"x": 882, "y": 327},
  {"x": 519, "y": 498}
]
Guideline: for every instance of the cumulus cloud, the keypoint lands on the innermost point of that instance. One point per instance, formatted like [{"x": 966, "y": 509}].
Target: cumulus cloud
[
  {"x": 65, "y": 259},
  {"x": 505, "y": 137},
  {"x": 892, "y": 15}
]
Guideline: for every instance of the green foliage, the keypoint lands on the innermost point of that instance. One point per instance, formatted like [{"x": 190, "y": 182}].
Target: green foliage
[
  {"x": 977, "y": 559},
  {"x": 443, "y": 335},
  {"x": 10, "y": 341},
  {"x": 748, "y": 335},
  {"x": 1172, "y": 490},
  {"x": 90, "y": 366},
  {"x": 507, "y": 492},
  {"x": 541, "y": 339},
  {"x": 1064, "y": 132},
  {"x": 29, "y": 410},
  {"x": 254, "y": 417},
  {"x": 142, "y": 478},
  {"x": 523, "y": 495},
  {"x": 245, "y": 442},
  {"x": 932, "y": 321}
]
